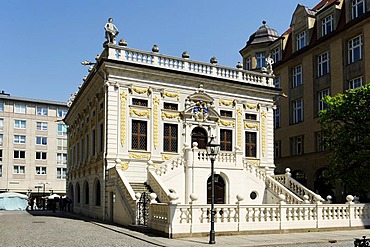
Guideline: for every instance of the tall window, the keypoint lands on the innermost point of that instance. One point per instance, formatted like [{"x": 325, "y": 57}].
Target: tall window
[
  {"x": 358, "y": 8},
  {"x": 170, "y": 137},
  {"x": 277, "y": 149},
  {"x": 261, "y": 60},
  {"x": 1, "y": 139},
  {"x": 42, "y": 111},
  {"x": 93, "y": 142},
  {"x": 61, "y": 173},
  {"x": 43, "y": 126},
  {"x": 248, "y": 63},
  {"x": 275, "y": 54},
  {"x": 19, "y": 108},
  {"x": 322, "y": 94},
  {"x": 19, "y": 169},
  {"x": 19, "y": 139},
  {"x": 62, "y": 130},
  {"x": 61, "y": 158},
  {"x": 355, "y": 49},
  {"x": 62, "y": 113},
  {"x": 40, "y": 170},
  {"x": 139, "y": 135},
  {"x": 19, "y": 124},
  {"x": 277, "y": 119},
  {"x": 327, "y": 25},
  {"x": 1, "y": 124},
  {"x": 1, "y": 170},
  {"x": 297, "y": 107},
  {"x": 296, "y": 145},
  {"x": 1, "y": 107},
  {"x": 250, "y": 144},
  {"x": 297, "y": 76},
  {"x": 226, "y": 140},
  {"x": 1, "y": 155},
  {"x": 355, "y": 83},
  {"x": 301, "y": 40},
  {"x": 41, "y": 140},
  {"x": 323, "y": 67},
  {"x": 320, "y": 141}
]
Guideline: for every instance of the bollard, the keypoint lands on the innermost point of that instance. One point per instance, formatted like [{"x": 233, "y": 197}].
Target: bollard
[{"x": 362, "y": 242}]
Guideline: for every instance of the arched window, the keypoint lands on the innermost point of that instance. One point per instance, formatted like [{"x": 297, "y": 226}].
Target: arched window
[
  {"x": 219, "y": 190},
  {"x": 86, "y": 192},
  {"x": 97, "y": 193},
  {"x": 200, "y": 136}
]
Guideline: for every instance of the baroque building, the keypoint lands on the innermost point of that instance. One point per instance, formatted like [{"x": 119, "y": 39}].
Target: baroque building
[
  {"x": 325, "y": 51},
  {"x": 33, "y": 146}
]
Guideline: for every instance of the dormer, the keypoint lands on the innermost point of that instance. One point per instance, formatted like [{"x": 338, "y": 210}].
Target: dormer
[
  {"x": 327, "y": 17},
  {"x": 302, "y": 24}
]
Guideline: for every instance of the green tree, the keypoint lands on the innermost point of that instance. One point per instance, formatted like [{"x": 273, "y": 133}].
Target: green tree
[{"x": 346, "y": 129}]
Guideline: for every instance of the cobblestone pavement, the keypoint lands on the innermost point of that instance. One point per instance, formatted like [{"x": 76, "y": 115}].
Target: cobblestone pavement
[{"x": 44, "y": 228}]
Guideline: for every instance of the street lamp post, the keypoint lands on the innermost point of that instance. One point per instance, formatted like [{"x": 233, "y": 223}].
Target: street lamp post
[
  {"x": 43, "y": 193},
  {"x": 212, "y": 150}
]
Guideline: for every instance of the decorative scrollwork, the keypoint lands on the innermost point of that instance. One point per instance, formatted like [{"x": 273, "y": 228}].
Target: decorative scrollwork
[
  {"x": 123, "y": 117},
  {"x": 226, "y": 122},
  {"x": 124, "y": 166},
  {"x": 251, "y": 125},
  {"x": 139, "y": 90},
  {"x": 226, "y": 102},
  {"x": 139, "y": 156},
  {"x": 140, "y": 113},
  {"x": 156, "y": 101},
  {"x": 252, "y": 106},
  {"x": 171, "y": 115},
  {"x": 171, "y": 95}
]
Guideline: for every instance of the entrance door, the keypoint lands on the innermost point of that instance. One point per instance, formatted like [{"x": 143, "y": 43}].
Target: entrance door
[
  {"x": 200, "y": 136},
  {"x": 219, "y": 190}
]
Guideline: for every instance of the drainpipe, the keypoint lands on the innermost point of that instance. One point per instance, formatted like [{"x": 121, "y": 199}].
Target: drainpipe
[{"x": 106, "y": 85}]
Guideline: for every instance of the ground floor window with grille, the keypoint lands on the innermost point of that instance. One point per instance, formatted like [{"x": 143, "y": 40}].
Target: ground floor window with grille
[
  {"x": 170, "y": 132},
  {"x": 226, "y": 139},
  {"x": 251, "y": 144},
  {"x": 139, "y": 135},
  {"x": 61, "y": 173}
]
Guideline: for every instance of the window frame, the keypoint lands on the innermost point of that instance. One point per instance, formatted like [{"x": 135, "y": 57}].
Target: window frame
[
  {"x": 21, "y": 139},
  {"x": 170, "y": 138},
  {"x": 297, "y": 111},
  {"x": 225, "y": 144},
  {"x": 323, "y": 64},
  {"x": 260, "y": 60},
  {"x": 356, "y": 6},
  {"x": 355, "y": 48},
  {"x": 20, "y": 108},
  {"x": 301, "y": 40},
  {"x": 358, "y": 80},
  {"x": 20, "y": 124},
  {"x": 297, "y": 147},
  {"x": 140, "y": 137},
  {"x": 250, "y": 145},
  {"x": 42, "y": 170},
  {"x": 20, "y": 169},
  {"x": 297, "y": 76},
  {"x": 327, "y": 25},
  {"x": 321, "y": 95},
  {"x": 41, "y": 140}
]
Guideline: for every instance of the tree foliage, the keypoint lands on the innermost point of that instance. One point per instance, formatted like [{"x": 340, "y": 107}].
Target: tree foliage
[{"x": 346, "y": 129}]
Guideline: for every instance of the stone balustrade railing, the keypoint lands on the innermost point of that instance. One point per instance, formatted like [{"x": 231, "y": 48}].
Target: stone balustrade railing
[
  {"x": 157, "y": 186},
  {"x": 125, "y": 191},
  {"x": 223, "y": 158},
  {"x": 187, "y": 219},
  {"x": 278, "y": 189},
  {"x": 122, "y": 53}
]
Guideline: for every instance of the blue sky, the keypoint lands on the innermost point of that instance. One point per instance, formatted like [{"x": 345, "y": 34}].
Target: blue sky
[{"x": 43, "y": 42}]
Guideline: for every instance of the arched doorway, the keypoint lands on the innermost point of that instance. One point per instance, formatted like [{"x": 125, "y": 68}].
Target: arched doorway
[
  {"x": 322, "y": 185},
  {"x": 219, "y": 189},
  {"x": 200, "y": 136}
]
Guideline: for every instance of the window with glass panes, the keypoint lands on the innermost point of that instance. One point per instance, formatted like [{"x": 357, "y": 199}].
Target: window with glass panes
[
  {"x": 251, "y": 116},
  {"x": 250, "y": 144},
  {"x": 43, "y": 126},
  {"x": 139, "y": 135},
  {"x": 19, "y": 139},
  {"x": 41, "y": 155},
  {"x": 277, "y": 117},
  {"x": 322, "y": 94},
  {"x": 248, "y": 63},
  {"x": 224, "y": 113},
  {"x": 61, "y": 158},
  {"x": 18, "y": 108},
  {"x": 226, "y": 140},
  {"x": 62, "y": 113},
  {"x": 301, "y": 40},
  {"x": 296, "y": 145},
  {"x": 62, "y": 130},
  {"x": 355, "y": 83},
  {"x": 42, "y": 111},
  {"x": 297, "y": 76},
  {"x": 170, "y": 106},
  {"x": 41, "y": 140},
  {"x": 275, "y": 54},
  {"x": 358, "y": 8},
  {"x": 261, "y": 60},
  {"x": 19, "y": 124},
  {"x": 19, "y": 154},
  {"x": 1, "y": 107},
  {"x": 355, "y": 49},
  {"x": 170, "y": 132},
  {"x": 61, "y": 173},
  {"x": 297, "y": 107},
  {"x": 277, "y": 81},
  {"x": 1, "y": 139},
  {"x": 19, "y": 169},
  {"x": 327, "y": 25},
  {"x": 40, "y": 170},
  {"x": 140, "y": 102},
  {"x": 323, "y": 67},
  {"x": 1, "y": 124},
  {"x": 277, "y": 149}
]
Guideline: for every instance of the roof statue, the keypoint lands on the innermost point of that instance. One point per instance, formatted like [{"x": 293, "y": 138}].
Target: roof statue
[{"x": 111, "y": 31}]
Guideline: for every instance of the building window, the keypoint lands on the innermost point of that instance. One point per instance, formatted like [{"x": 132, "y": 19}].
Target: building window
[
  {"x": 248, "y": 63},
  {"x": 277, "y": 82},
  {"x": 101, "y": 138},
  {"x": 43, "y": 126},
  {"x": 139, "y": 135},
  {"x": 261, "y": 60},
  {"x": 41, "y": 140},
  {"x": 322, "y": 94},
  {"x": 275, "y": 54},
  {"x": 19, "y": 139},
  {"x": 1, "y": 139},
  {"x": 1, "y": 107},
  {"x": 19, "y": 154},
  {"x": 1, "y": 155},
  {"x": 170, "y": 106},
  {"x": 277, "y": 149},
  {"x": 277, "y": 119},
  {"x": 251, "y": 144},
  {"x": 355, "y": 83},
  {"x": 297, "y": 106},
  {"x": 358, "y": 8},
  {"x": 1, "y": 170},
  {"x": 61, "y": 144},
  {"x": 19, "y": 169},
  {"x": 251, "y": 116},
  {"x": 320, "y": 142},
  {"x": 140, "y": 102},
  {"x": 40, "y": 155},
  {"x": 226, "y": 140},
  {"x": 20, "y": 108},
  {"x": 226, "y": 113},
  {"x": 61, "y": 158},
  {"x": 62, "y": 113},
  {"x": 1, "y": 124},
  {"x": 327, "y": 25},
  {"x": 19, "y": 124},
  {"x": 355, "y": 49},
  {"x": 297, "y": 145},
  {"x": 301, "y": 40},
  {"x": 170, "y": 138},
  {"x": 93, "y": 142},
  {"x": 40, "y": 170},
  {"x": 62, "y": 130},
  {"x": 61, "y": 173},
  {"x": 297, "y": 76},
  {"x": 41, "y": 111},
  {"x": 323, "y": 67}
]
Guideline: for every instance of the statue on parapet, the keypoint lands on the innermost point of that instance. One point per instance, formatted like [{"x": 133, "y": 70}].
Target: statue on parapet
[{"x": 111, "y": 31}]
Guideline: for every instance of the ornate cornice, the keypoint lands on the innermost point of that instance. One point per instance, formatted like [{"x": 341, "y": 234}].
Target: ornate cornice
[
  {"x": 251, "y": 106},
  {"x": 139, "y": 90}
]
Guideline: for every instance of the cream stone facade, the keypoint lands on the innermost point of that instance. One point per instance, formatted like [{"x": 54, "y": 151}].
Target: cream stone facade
[{"x": 33, "y": 146}]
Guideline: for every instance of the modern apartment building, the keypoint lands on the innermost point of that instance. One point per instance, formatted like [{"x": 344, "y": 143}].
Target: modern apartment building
[
  {"x": 33, "y": 146},
  {"x": 325, "y": 51}
]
